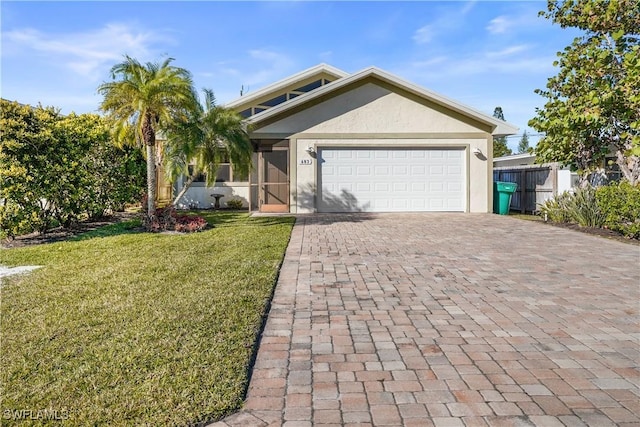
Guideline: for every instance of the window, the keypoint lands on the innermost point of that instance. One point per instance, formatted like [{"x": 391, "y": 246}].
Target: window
[
  {"x": 274, "y": 101},
  {"x": 224, "y": 174},
  {"x": 309, "y": 87},
  {"x": 200, "y": 178}
]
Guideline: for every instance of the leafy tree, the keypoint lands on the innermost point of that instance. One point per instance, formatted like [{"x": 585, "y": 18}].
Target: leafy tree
[
  {"x": 523, "y": 145},
  {"x": 145, "y": 99},
  {"x": 593, "y": 103},
  {"x": 118, "y": 176},
  {"x": 26, "y": 151},
  {"x": 500, "y": 147},
  {"x": 209, "y": 136},
  {"x": 58, "y": 169}
]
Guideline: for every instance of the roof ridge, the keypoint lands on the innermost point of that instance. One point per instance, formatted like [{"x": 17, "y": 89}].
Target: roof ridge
[{"x": 322, "y": 67}]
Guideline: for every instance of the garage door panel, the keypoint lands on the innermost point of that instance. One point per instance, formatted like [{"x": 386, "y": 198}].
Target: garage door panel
[
  {"x": 380, "y": 171},
  {"x": 379, "y": 154},
  {"x": 363, "y": 186},
  {"x": 391, "y": 180},
  {"x": 418, "y": 186},
  {"x": 363, "y": 170}
]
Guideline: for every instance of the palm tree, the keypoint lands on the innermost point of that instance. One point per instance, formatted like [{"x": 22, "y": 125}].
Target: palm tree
[
  {"x": 143, "y": 99},
  {"x": 204, "y": 140}
]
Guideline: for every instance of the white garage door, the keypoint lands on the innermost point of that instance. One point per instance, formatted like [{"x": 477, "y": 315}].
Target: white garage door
[{"x": 391, "y": 180}]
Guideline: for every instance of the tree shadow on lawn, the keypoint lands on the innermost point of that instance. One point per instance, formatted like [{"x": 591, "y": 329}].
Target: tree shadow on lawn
[
  {"x": 124, "y": 227},
  {"x": 131, "y": 224},
  {"x": 241, "y": 218}
]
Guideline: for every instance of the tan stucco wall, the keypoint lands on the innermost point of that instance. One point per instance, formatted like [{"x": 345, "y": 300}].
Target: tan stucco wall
[
  {"x": 371, "y": 116},
  {"x": 369, "y": 108}
]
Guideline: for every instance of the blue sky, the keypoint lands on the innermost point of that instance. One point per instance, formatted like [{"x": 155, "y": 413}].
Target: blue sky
[{"x": 483, "y": 54}]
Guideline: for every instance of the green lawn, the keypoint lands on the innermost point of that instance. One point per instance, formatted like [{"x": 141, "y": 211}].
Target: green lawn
[{"x": 121, "y": 327}]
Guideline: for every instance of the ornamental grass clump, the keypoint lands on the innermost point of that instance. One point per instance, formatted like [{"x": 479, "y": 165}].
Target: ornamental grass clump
[
  {"x": 579, "y": 207},
  {"x": 615, "y": 206}
]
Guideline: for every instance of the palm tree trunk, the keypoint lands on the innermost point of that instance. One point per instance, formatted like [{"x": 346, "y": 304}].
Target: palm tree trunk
[
  {"x": 149, "y": 137},
  {"x": 151, "y": 182},
  {"x": 185, "y": 187}
]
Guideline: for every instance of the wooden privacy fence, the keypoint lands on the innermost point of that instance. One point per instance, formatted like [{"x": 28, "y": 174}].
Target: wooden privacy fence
[{"x": 536, "y": 184}]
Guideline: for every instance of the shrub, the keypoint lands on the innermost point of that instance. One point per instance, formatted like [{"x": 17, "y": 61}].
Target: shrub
[
  {"x": 15, "y": 221},
  {"x": 234, "y": 204},
  {"x": 620, "y": 205},
  {"x": 167, "y": 219},
  {"x": 57, "y": 170},
  {"x": 190, "y": 223}
]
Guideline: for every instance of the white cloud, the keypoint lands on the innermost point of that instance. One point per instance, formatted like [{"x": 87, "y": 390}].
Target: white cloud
[
  {"x": 468, "y": 7},
  {"x": 525, "y": 19},
  {"x": 423, "y": 35},
  {"x": 445, "y": 23},
  {"x": 89, "y": 53},
  {"x": 485, "y": 64},
  {"x": 269, "y": 66},
  {"x": 248, "y": 73},
  {"x": 499, "y": 25},
  {"x": 508, "y": 51},
  {"x": 325, "y": 56}
]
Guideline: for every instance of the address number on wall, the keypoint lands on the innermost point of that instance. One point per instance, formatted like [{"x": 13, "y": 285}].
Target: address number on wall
[{"x": 305, "y": 161}]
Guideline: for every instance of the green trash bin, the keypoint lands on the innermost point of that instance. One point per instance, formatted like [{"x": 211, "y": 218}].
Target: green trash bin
[{"x": 502, "y": 192}]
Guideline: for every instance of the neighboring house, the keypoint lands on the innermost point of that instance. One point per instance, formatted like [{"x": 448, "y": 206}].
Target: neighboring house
[
  {"x": 536, "y": 182},
  {"x": 539, "y": 182},
  {"x": 328, "y": 141}
]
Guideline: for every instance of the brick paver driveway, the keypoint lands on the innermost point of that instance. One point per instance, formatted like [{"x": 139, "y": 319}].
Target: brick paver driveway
[{"x": 449, "y": 320}]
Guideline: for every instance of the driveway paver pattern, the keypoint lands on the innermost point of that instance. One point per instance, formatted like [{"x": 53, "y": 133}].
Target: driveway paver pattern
[{"x": 448, "y": 320}]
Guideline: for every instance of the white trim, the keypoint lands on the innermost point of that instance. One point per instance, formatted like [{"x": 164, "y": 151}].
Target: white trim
[{"x": 279, "y": 85}]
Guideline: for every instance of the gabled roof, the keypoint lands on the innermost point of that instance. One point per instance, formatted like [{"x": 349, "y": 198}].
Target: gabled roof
[
  {"x": 277, "y": 87},
  {"x": 499, "y": 127}
]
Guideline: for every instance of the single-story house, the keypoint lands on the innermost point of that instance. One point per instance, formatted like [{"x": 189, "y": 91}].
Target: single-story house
[{"x": 329, "y": 141}]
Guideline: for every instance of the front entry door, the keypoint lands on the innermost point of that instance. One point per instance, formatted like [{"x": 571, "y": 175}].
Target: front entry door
[{"x": 274, "y": 180}]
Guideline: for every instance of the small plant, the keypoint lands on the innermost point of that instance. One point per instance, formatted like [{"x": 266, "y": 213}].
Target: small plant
[
  {"x": 167, "y": 219},
  {"x": 190, "y": 223},
  {"x": 234, "y": 204},
  {"x": 583, "y": 208},
  {"x": 555, "y": 209}
]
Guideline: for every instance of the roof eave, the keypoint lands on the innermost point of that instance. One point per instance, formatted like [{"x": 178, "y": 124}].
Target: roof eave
[
  {"x": 499, "y": 127},
  {"x": 309, "y": 72}
]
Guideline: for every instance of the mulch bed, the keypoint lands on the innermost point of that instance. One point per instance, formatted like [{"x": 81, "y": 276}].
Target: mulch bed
[
  {"x": 600, "y": 232},
  {"x": 60, "y": 234}
]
